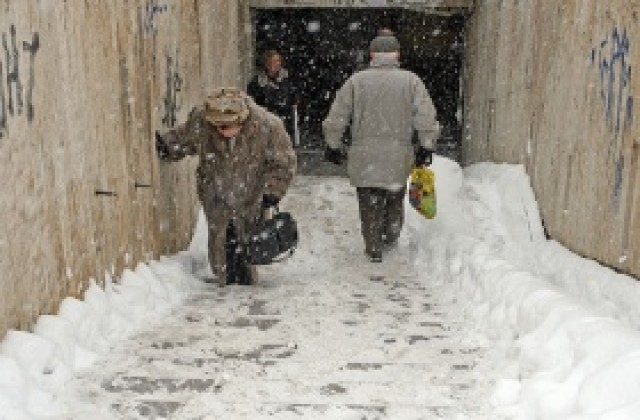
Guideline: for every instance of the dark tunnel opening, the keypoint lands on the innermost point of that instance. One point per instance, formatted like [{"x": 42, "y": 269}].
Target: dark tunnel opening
[{"x": 322, "y": 47}]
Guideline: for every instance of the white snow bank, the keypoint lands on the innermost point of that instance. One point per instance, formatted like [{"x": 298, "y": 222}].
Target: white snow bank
[
  {"x": 564, "y": 328},
  {"x": 562, "y": 324},
  {"x": 34, "y": 366}
]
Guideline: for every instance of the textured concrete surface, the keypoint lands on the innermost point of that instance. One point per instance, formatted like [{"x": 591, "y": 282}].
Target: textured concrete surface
[{"x": 323, "y": 335}]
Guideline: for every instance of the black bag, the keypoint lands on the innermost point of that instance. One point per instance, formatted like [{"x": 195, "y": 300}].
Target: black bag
[{"x": 274, "y": 239}]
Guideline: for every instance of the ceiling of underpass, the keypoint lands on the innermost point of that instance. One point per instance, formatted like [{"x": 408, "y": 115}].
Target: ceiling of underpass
[
  {"x": 431, "y": 6},
  {"x": 322, "y": 47}
]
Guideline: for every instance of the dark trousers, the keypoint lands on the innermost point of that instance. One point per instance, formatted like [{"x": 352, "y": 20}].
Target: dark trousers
[
  {"x": 381, "y": 216},
  {"x": 237, "y": 266},
  {"x": 288, "y": 122}
]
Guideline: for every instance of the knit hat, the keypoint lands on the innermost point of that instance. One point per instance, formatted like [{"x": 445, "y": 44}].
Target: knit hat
[
  {"x": 226, "y": 106},
  {"x": 385, "y": 42}
]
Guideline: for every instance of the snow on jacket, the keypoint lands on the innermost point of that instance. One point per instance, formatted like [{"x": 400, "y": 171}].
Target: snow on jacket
[
  {"x": 233, "y": 174},
  {"x": 384, "y": 105}
]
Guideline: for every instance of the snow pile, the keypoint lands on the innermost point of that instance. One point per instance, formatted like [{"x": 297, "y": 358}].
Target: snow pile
[
  {"x": 564, "y": 326},
  {"x": 564, "y": 329},
  {"x": 34, "y": 366}
]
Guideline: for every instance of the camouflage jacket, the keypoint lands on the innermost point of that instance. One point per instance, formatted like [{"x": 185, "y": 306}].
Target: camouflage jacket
[{"x": 233, "y": 174}]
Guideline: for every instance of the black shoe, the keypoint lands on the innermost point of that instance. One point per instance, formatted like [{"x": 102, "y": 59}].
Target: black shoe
[
  {"x": 247, "y": 275},
  {"x": 374, "y": 256},
  {"x": 244, "y": 279}
]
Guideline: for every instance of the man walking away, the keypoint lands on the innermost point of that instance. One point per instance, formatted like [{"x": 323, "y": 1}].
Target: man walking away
[{"x": 384, "y": 105}]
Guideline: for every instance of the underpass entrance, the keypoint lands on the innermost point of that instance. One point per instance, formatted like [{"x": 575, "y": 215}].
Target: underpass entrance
[{"x": 323, "y": 46}]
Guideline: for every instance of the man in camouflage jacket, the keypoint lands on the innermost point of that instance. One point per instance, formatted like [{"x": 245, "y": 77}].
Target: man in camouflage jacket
[{"x": 246, "y": 165}]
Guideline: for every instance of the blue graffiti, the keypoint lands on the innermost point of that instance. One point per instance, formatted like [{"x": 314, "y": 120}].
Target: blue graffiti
[
  {"x": 615, "y": 80},
  {"x": 14, "y": 98},
  {"x": 151, "y": 10},
  {"x": 614, "y": 68},
  {"x": 174, "y": 86},
  {"x": 617, "y": 181}
]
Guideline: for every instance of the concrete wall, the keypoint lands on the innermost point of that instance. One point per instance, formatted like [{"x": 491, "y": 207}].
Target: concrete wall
[
  {"x": 552, "y": 84},
  {"x": 83, "y": 86}
]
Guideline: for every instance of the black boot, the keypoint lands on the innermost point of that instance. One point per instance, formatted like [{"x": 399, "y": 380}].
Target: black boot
[
  {"x": 231, "y": 248},
  {"x": 247, "y": 274},
  {"x": 374, "y": 256},
  {"x": 244, "y": 277}
]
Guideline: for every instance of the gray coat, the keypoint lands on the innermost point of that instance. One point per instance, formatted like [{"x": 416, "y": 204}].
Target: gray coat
[{"x": 384, "y": 105}]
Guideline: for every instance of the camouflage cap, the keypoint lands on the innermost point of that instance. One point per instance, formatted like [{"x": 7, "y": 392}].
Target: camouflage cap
[{"x": 226, "y": 106}]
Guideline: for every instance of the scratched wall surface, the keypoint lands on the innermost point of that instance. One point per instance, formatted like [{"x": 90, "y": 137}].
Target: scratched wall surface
[
  {"x": 83, "y": 87},
  {"x": 551, "y": 85}
]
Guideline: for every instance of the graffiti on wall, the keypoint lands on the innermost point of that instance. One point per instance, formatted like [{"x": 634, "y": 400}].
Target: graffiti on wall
[
  {"x": 15, "y": 98},
  {"x": 151, "y": 10},
  {"x": 612, "y": 57},
  {"x": 614, "y": 67},
  {"x": 173, "y": 87}
]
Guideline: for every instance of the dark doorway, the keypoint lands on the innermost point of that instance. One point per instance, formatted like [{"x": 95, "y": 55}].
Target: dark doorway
[{"x": 322, "y": 47}]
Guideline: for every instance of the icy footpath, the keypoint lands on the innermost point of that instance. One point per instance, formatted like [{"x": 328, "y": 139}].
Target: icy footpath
[
  {"x": 565, "y": 328},
  {"x": 36, "y": 366},
  {"x": 323, "y": 335},
  {"x": 474, "y": 316}
]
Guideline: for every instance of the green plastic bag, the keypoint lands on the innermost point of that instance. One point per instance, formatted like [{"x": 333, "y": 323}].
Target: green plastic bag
[{"x": 422, "y": 191}]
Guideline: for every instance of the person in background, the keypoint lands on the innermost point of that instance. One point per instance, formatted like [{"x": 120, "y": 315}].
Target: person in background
[
  {"x": 246, "y": 163},
  {"x": 383, "y": 105},
  {"x": 273, "y": 89}
]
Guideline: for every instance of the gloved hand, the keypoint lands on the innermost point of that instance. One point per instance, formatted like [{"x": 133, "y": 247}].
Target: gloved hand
[
  {"x": 424, "y": 157},
  {"x": 162, "y": 148},
  {"x": 334, "y": 156},
  {"x": 269, "y": 200}
]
